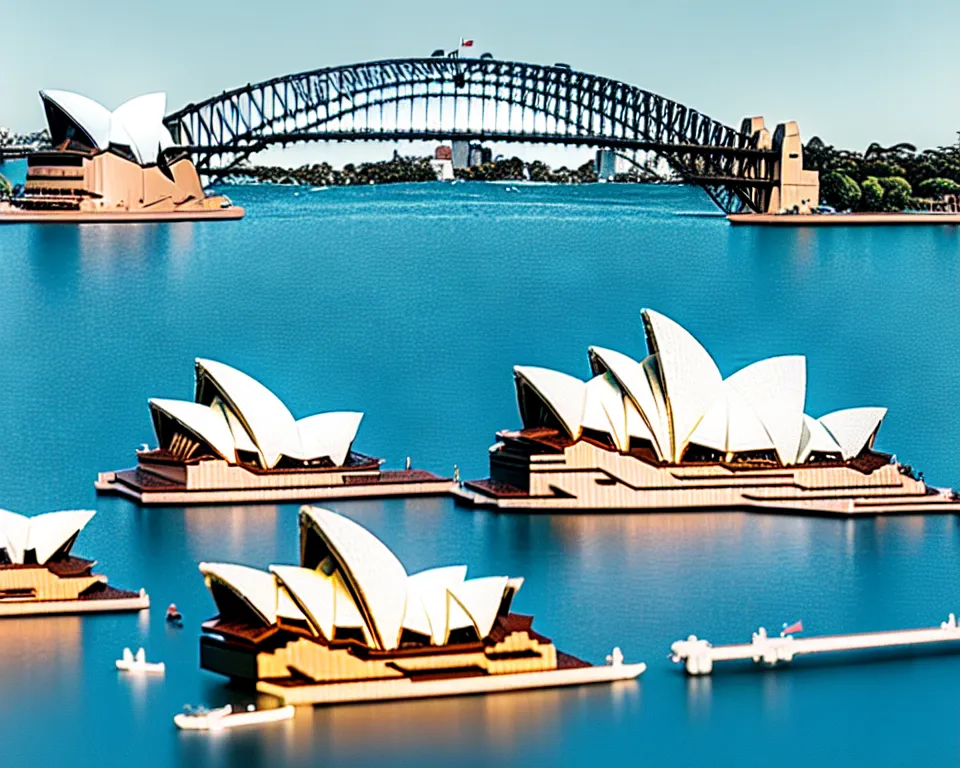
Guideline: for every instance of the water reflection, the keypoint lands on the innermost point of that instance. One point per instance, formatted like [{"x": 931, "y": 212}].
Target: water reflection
[
  {"x": 233, "y": 532},
  {"x": 39, "y": 645},
  {"x": 39, "y": 656},
  {"x": 499, "y": 722},
  {"x": 494, "y": 727},
  {"x": 699, "y": 695},
  {"x": 630, "y": 530}
]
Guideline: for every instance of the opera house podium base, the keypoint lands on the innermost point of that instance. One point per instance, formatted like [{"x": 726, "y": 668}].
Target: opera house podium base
[
  {"x": 110, "y": 601},
  {"x": 13, "y": 215},
  {"x": 559, "y": 475},
  {"x": 220, "y": 483},
  {"x": 741, "y": 492},
  {"x": 391, "y": 690}
]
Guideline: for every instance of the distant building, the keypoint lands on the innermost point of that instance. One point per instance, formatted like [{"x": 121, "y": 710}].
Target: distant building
[
  {"x": 608, "y": 164},
  {"x": 443, "y": 167},
  {"x": 443, "y": 153},
  {"x": 466, "y": 154},
  {"x": 480, "y": 155},
  {"x": 460, "y": 154}
]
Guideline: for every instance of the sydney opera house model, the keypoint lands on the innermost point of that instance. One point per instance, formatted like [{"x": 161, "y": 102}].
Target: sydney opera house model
[
  {"x": 38, "y": 575},
  {"x": 111, "y": 166},
  {"x": 670, "y": 433},
  {"x": 349, "y": 624},
  {"x": 238, "y": 442}
]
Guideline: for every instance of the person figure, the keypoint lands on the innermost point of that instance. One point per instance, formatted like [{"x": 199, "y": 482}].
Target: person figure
[{"x": 173, "y": 615}]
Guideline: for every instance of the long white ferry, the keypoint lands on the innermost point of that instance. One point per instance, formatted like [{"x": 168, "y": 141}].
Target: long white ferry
[{"x": 227, "y": 717}]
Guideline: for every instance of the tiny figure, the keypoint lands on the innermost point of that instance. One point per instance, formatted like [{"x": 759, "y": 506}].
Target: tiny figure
[
  {"x": 173, "y": 616},
  {"x": 615, "y": 657}
]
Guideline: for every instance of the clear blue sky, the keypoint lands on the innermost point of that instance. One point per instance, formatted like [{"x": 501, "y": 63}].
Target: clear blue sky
[{"x": 851, "y": 71}]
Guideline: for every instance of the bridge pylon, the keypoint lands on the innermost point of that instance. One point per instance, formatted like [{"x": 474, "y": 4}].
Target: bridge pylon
[{"x": 793, "y": 186}]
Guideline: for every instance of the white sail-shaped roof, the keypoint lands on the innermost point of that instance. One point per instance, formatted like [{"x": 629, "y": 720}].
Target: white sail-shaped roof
[
  {"x": 561, "y": 393},
  {"x": 90, "y": 116},
  {"x": 661, "y": 424},
  {"x": 120, "y": 137},
  {"x": 853, "y": 428},
  {"x": 314, "y": 593},
  {"x": 286, "y": 607},
  {"x": 141, "y": 119},
  {"x": 711, "y": 432},
  {"x": 328, "y": 434},
  {"x": 430, "y": 589},
  {"x": 346, "y": 613},
  {"x": 367, "y": 589},
  {"x": 255, "y": 587},
  {"x": 267, "y": 419},
  {"x": 234, "y": 412},
  {"x": 415, "y": 616},
  {"x": 745, "y": 429},
  {"x": 51, "y": 530},
  {"x": 689, "y": 376},
  {"x": 206, "y": 422},
  {"x": 46, "y": 534},
  {"x": 373, "y": 572},
  {"x": 815, "y": 437},
  {"x": 635, "y": 380},
  {"x": 241, "y": 438},
  {"x": 481, "y": 598},
  {"x": 776, "y": 389},
  {"x": 14, "y": 531},
  {"x": 166, "y": 140},
  {"x": 676, "y": 396},
  {"x": 457, "y": 617},
  {"x": 637, "y": 426},
  {"x": 603, "y": 409},
  {"x": 137, "y": 124},
  {"x": 731, "y": 425}
]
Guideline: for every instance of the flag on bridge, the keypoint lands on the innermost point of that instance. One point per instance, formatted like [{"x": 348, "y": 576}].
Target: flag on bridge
[
  {"x": 793, "y": 629},
  {"x": 464, "y": 43}
]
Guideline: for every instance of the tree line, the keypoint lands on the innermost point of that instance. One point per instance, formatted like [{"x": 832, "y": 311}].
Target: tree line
[{"x": 891, "y": 178}]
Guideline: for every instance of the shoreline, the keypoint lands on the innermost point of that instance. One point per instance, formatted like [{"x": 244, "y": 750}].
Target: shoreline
[{"x": 842, "y": 219}]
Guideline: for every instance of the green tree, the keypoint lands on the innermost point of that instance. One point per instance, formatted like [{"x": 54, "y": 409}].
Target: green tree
[
  {"x": 871, "y": 195},
  {"x": 897, "y": 193},
  {"x": 937, "y": 187},
  {"x": 880, "y": 169},
  {"x": 840, "y": 191}
]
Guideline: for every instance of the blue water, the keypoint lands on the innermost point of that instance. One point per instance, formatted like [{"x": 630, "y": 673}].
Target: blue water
[{"x": 412, "y": 303}]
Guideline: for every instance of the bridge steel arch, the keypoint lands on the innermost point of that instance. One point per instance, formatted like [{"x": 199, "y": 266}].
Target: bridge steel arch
[{"x": 449, "y": 98}]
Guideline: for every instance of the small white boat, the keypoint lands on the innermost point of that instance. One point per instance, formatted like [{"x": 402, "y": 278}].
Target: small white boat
[
  {"x": 226, "y": 717},
  {"x": 138, "y": 663}
]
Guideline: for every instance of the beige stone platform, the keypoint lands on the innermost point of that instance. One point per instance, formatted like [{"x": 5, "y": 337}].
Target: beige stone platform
[
  {"x": 842, "y": 219},
  {"x": 404, "y": 688},
  {"x": 10, "y": 215},
  {"x": 54, "y": 607},
  {"x": 277, "y": 488}
]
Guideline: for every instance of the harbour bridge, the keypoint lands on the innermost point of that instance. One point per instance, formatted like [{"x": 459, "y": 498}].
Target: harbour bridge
[{"x": 450, "y": 99}]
